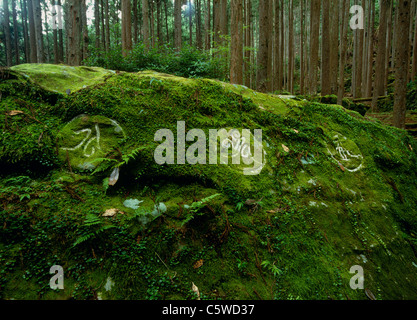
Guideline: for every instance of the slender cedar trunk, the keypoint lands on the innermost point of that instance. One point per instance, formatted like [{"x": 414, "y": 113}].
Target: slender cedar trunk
[
  {"x": 343, "y": 50},
  {"x": 37, "y": 14},
  {"x": 365, "y": 46},
  {"x": 216, "y": 22},
  {"x": 73, "y": 32},
  {"x": 262, "y": 60},
  {"x": 55, "y": 39},
  {"x": 247, "y": 53},
  {"x": 97, "y": 22},
  {"x": 60, "y": 36},
  {"x": 334, "y": 46},
  {"x": 126, "y": 27},
  {"x": 282, "y": 47},
  {"x": 25, "y": 30},
  {"x": 84, "y": 29},
  {"x": 32, "y": 38},
  {"x": 270, "y": 47},
  {"x": 389, "y": 44},
  {"x": 103, "y": 26},
  {"x": 190, "y": 21},
  {"x": 107, "y": 31},
  {"x": 145, "y": 26},
  {"x": 236, "y": 52},
  {"x": 413, "y": 13},
  {"x": 152, "y": 21},
  {"x": 134, "y": 21},
  {"x": 359, "y": 34},
  {"x": 15, "y": 33},
  {"x": 207, "y": 26},
  {"x": 223, "y": 17},
  {"x": 159, "y": 22},
  {"x": 291, "y": 47},
  {"x": 199, "y": 38},
  {"x": 166, "y": 22},
  {"x": 314, "y": 43},
  {"x": 302, "y": 47},
  {"x": 276, "y": 46},
  {"x": 379, "y": 89},
  {"x": 402, "y": 57},
  {"x": 325, "y": 52},
  {"x": 370, "y": 60},
  {"x": 177, "y": 24},
  {"x": 8, "y": 38},
  {"x": 414, "y": 68},
  {"x": 48, "y": 48}
]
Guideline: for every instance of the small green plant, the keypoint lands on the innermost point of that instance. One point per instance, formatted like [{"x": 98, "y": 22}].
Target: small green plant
[
  {"x": 271, "y": 267},
  {"x": 195, "y": 208},
  {"x": 93, "y": 226}
]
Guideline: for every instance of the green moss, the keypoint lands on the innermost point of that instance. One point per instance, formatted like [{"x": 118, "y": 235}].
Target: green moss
[{"x": 337, "y": 190}]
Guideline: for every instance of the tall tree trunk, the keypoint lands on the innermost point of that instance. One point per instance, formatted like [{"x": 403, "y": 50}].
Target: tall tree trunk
[
  {"x": 159, "y": 23},
  {"x": 15, "y": 33},
  {"x": 47, "y": 50},
  {"x": 97, "y": 22},
  {"x": 73, "y": 28},
  {"x": 314, "y": 43},
  {"x": 32, "y": 38},
  {"x": 103, "y": 27},
  {"x": 262, "y": 59},
  {"x": 190, "y": 21},
  {"x": 126, "y": 27},
  {"x": 414, "y": 67},
  {"x": 166, "y": 21},
  {"x": 302, "y": 73},
  {"x": 84, "y": 26},
  {"x": 135, "y": 21},
  {"x": 37, "y": 14},
  {"x": 178, "y": 24},
  {"x": 389, "y": 44},
  {"x": 207, "y": 42},
  {"x": 198, "y": 38},
  {"x": 145, "y": 26},
  {"x": 343, "y": 49},
  {"x": 282, "y": 47},
  {"x": 270, "y": 70},
  {"x": 25, "y": 30},
  {"x": 359, "y": 33},
  {"x": 236, "y": 52},
  {"x": 379, "y": 89},
  {"x": 248, "y": 43},
  {"x": 60, "y": 36},
  {"x": 370, "y": 63},
  {"x": 325, "y": 51},
  {"x": 291, "y": 49},
  {"x": 55, "y": 38},
  {"x": 107, "y": 31},
  {"x": 8, "y": 38},
  {"x": 402, "y": 57},
  {"x": 334, "y": 46}
]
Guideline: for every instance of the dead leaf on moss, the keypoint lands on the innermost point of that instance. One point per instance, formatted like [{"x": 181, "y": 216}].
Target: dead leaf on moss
[
  {"x": 112, "y": 212},
  {"x": 195, "y": 290},
  {"x": 14, "y": 112},
  {"x": 286, "y": 149},
  {"x": 198, "y": 264}
]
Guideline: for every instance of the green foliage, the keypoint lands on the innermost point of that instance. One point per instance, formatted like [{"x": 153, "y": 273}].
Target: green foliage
[{"x": 189, "y": 62}]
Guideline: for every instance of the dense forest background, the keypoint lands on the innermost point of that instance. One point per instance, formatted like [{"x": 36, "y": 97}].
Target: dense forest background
[{"x": 288, "y": 46}]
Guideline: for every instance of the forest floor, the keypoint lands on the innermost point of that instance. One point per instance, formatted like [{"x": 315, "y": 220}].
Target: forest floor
[{"x": 387, "y": 118}]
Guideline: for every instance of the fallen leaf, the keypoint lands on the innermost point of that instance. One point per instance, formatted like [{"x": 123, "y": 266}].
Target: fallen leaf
[
  {"x": 14, "y": 112},
  {"x": 411, "y": 148},
  {"x": 342, "y": 167},
  {"x": 286, "y": 149},
  {"x": 195, "y": 290},
  {"x": 296, "y": 131},
  {"x": 114, "y": 177},
  {"x": 198, "y": 264},
  {"x": 112, "y": 212}
]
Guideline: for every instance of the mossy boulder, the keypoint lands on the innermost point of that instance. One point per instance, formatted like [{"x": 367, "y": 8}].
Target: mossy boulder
[{"x": 335, "y": 191}]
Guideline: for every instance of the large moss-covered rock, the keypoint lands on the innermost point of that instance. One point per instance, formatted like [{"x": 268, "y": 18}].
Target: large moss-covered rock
[{"x": 334, "y": 191}]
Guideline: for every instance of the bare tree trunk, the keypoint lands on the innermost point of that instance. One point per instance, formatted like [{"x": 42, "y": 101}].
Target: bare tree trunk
[
  {"x": 277, "y": 47},
  {"x": 97, "y": 22},
  {"x": 126, "y": 27},
  {"x": 302, "y": 73},
  {"x": 135, "y": 21},
  {"x": 32, "y": 38},
  {"x": 15, "y": 33},
  {"x": 414, "y": 68},
  {"x": 84, "y": 27},
  {"x": 25, "y": 30},
  {"x": 145, "y": 27},
  {"x": 402, "y": 57},
  {"x": 166, "y": 20},
  {"x": 73, "y": 32},
  {"x": 343, "y": 49},
  {"x": 236, "y": 61},
  {"x": 199, "y": 38},
  {"x": 190, "y": 21},
  {"x": 262, "y": 60},
  {"x": 37, "y": 13},
  {"x": 334, "y": 46},
  {"x": 248, "y": 42},
  {"x": 314, "y": 43},
  {"x": 370, "y": 60},
  {"x": 8, "y": 38},
  {"x": 107, "y": 31},
  {"x": 291, "y": 49},
  {"x": 207, "y": 41},
  {"x": 389, "y": 43},
  {"x": 325, "y": 51},
  {"x": 379, "y": 89},
  {"x": 60, "y": 37},
  {"x": 178, "y": 24}
]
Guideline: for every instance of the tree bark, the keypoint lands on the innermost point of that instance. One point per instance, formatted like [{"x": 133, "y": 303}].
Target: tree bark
[
  {"x": 177, "y": 24},
  {"x": 207, "y": 41},
  {"x": 414, "y": 64},
  {"x": 97, "y": 22},
  {"x": 73, "y": 32},
  {"x": 402, "y": 57},
  {"x": 236, "y": 53},
  {"x": 325, "y": 51},
  {"x": 343, "y": 49},
  {"x": 379, "y": 89},
  {"x": 145, "y": 26},
  {"x": 25, "y": 30},
  {"x": 8, "y": 38},
  {"x": 314, "y": 43},
  {"x": 262, "y": 59},
  {"x": 370, "y": 60},
  {"x": 126, "y": 27},
  {"x": 37, "y": 13}
]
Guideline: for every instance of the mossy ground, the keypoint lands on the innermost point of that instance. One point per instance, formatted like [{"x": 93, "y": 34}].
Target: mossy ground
[{"x": 308, "y": 222}]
